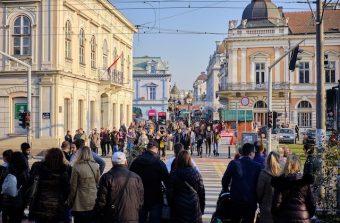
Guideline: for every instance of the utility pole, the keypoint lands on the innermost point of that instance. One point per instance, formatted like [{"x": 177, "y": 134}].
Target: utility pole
[
  {"x": 29, "y": 94},
  {"x": 320, "y": 79}
]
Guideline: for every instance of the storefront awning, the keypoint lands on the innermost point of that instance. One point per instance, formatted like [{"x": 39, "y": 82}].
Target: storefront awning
[
  {"x": 152, "y": 112},
  {"x": 230, "y": 115}
]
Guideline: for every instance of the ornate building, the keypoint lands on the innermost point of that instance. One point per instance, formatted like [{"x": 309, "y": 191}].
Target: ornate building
[
  {"x": 263, "y": 35},
  {"x": 151, "y": 78},
  {"x": 70, "y": 45},
  {"x": 200, "y": 89}
]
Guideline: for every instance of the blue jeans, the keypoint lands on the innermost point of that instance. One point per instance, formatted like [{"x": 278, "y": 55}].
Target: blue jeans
[
  {"x": 129, "y": 146},
  {"x": 114, "y": 149},
  {"x": 154, "y": 214},
  {"x": 215, "y": 147}
]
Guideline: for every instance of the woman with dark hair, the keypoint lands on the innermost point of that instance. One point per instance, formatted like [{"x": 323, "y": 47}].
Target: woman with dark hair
[
  {"x": 186, "y": 191},
  {"x": 52, "y": 174},
  {"x": 13, "y": 207}
]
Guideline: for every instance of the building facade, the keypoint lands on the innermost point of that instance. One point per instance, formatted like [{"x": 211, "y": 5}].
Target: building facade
[
  {"x": 200, "y": 89},
  {"x": 263, "y": 35},
  {"x": 152, "y": 79},
  {"x": 70, "y": 46}
]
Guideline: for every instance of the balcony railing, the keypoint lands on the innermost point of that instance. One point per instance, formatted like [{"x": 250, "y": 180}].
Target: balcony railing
[
  {"x": 252, "y": 86},
  {"x": 113, "y": 76}
]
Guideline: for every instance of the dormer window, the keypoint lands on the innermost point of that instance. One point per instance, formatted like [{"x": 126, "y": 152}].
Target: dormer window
[{"x": 153, "y": 69}]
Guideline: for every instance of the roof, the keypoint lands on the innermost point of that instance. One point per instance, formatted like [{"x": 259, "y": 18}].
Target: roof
[
  {"x": 139, "y": 63},
  {"x": 202, "y": 77},
  {"x": 302, "y": 22}
]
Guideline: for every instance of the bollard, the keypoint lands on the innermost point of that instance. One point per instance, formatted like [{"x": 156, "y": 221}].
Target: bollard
[{"x": 229, "y": 157}]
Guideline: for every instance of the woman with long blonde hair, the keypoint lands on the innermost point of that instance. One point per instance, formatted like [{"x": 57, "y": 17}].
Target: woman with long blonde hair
[
  {"x": 264, "y": 189},
  {"x": 293, "y": 199},
  {"x": 84, "y": 180}
]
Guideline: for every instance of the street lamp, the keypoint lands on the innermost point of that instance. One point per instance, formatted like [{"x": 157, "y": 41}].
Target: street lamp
[{"x": 189, "y": 99}]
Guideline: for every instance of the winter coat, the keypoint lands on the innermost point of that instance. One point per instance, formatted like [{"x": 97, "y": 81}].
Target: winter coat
[
  {"x": 152, "y": 171},
  {"x": 51, "y": 196},
  {"x": 187, "y": 204},
  {"x": 94, "y": 140},
  {"x": 292, "y": 200},
  {"x": 310, "y": 167},
  {"x": 242, "y": 175},
  {"x": 264, "y": 193},
  {"x": 84, "y": 180},
  {"x": 110, "y": 186}
]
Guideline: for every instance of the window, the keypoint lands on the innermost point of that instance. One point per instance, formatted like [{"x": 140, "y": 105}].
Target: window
[
  {"x": 259, "y": 72},
  {"x": 68, "y": 42},
  {"x": 304, "y": 73},
  {"x": 22, "y": 36},
  {"x": 260, "y": 104},
  {"x": 81, "y": 46},
  {"x": 80, "y": 114},
  {"x": 122, "y": 62},
  {"x": 105, "y": 54},
  {"x": 128, "y": 64},
  {"x": 153, "y": 69},
  {"x": 330, "y": 72},
  {"x": 152, "y": 93},
  {"x": 305, "y": 114},
  {"x": 93, "y": 52}
]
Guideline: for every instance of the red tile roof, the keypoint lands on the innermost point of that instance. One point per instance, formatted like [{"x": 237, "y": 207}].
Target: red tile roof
[
  {"x": 202, "y": 77},
  {"x": 302, "y": 22}
]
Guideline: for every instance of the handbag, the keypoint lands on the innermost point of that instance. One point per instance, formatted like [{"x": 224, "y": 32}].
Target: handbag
[{"x": 166, "y": 211}]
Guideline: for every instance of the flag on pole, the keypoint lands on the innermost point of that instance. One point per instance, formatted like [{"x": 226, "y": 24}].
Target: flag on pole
[{"x": 114, "y": 62}]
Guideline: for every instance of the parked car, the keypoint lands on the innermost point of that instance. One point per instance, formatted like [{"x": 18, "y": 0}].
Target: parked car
[
  {"x": 310, "y": 136},
  {"x": 286, "y": 135}
]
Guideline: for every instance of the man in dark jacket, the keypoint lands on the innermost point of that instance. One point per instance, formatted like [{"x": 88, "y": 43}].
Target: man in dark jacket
[
  {"x": 259, "y": 158},
  {"x": 153, "y": 172},
  {"x": 311, "y": 165},
  {"x": 242, "y": 174},
  {"x": 121, "y": 188}
]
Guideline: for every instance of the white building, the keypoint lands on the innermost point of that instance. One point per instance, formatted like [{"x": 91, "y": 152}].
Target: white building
[
  {"x": 200, "y": 89},
  {"x": 152, "y": 79},
  {"x": 70, "y": 44}
]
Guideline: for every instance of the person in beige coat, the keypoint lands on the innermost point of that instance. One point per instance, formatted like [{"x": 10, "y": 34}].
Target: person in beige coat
[
  {"x": 84, "y": 180},
  {"x": 264, "y": 189}
]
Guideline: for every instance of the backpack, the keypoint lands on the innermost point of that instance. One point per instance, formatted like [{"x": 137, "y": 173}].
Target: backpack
[{"x": 9, "y": 186}]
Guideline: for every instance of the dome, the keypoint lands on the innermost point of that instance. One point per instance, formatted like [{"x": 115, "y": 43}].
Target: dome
[
  {"x": 175, "y": 90},
  {"x": 261, "y": 13}
]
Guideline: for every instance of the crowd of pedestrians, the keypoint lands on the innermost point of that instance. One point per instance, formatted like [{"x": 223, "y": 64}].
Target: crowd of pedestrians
[{"x": 70, "y": 181}]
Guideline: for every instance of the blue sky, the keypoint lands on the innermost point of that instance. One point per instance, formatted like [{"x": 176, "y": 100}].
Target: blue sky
[{"x": 187, "y": 54}]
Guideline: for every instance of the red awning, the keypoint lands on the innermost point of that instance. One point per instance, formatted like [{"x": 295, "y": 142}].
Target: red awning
[
  {"x": 152, "y": 112},
  {"x": 162, "y": 114}
]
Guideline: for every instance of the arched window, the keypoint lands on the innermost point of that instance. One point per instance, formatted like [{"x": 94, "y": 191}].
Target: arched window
[
  {"x": 105, "y": 54},
  {"x": 260, "y": 104},
  {"x": 22, "y": 36},
  {"x": 93, "y": 52},
  {"x": 304, "y": 114},
  {"x": 68, "y": 40},
  {"x": 81, "y": 47}
]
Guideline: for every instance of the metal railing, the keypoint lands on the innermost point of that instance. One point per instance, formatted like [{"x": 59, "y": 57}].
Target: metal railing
[{"x": 114, "y": 76}]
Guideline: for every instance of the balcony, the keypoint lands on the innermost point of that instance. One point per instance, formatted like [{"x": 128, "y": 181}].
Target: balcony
[
  {"x": 252, "y": 87},
  {"x": 112, "y": 77}
]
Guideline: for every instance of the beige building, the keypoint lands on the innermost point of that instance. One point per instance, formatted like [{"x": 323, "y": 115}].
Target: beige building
[
  {"x": 70, "y": 45},
  {"x": 200, "y": 89},
  {"x": 263, "y": 35}
]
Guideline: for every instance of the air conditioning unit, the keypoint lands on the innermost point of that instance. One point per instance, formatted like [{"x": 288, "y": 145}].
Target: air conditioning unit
[
  {"x": 238, "y": 94},
  {"x": 281, "y": 94}
]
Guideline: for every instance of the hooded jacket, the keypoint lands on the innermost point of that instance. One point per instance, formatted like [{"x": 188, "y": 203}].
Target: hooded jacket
[{"x": 293, "y": 199}]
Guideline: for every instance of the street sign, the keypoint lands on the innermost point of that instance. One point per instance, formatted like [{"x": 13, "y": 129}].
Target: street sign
[
  {"x": 216, "y": 116},
  {"x": 46, "y": 115},
  {"x": 245, "y": 101}
]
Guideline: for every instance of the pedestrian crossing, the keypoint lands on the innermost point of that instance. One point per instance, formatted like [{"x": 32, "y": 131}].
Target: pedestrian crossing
[{"x": 212, "y": 173}]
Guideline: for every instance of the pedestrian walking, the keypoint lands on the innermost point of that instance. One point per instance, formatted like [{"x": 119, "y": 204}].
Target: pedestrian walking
[
  {"x": 143, "y": 140},
  {"x": 153, "y": 172},
  {"x": 120, "y": 194},
  {"x": 264, "y": 189},
  {"x": 13, "y": 188},
  {"x": 68, "y": 136},
  {"x": 130, "y": 137},
  {"x": 170, "y": 163},
  {"x": 297, "y": 132},
  {"x": 207, "y": 138},
  {"x": 215, "y": 141},
  {"x": 186, "y": 191},
  {"x": 121, "y": 139},
  {"x": 105, "y": 141},
  {"x": 26, "y": 151},
  {"x": 242, "y": 175},
  {"x": 84, "y": 181},
  {"x": 293, "y": 199},
  {"x": 186, "y": 139},
  {"x": 311, "y": 165},
  {"x": 114, "y": 140},
  {"x": 199, "y": 140},
  {"x": 94, "y": 140},
  {"x": 259, "y": 149},
  {"x": 52, "y": 176},
  {"x": 66, "y": 148}
]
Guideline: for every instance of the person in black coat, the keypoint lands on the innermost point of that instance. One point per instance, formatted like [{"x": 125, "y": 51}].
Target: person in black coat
[
  {"x": 153, "y": 172},
  {"x": 186, "y": 191},
  {"x": 293, "y": 200},
  {"x": 119, "y": 183},
  {"x": 242, "y": 175}
]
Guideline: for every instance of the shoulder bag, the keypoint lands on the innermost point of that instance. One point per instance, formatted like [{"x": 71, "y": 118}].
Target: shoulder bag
[{"x": 166, "y": 211}]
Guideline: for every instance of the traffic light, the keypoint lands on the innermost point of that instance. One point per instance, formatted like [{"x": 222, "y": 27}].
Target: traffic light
[
  {"x": 275, "y": 115},
  {"x": 27, "y": 119},
  {"x": 22, "y": 120},
  {"x": 270, "y": 119},
  {"x": 294, "y": 57}
]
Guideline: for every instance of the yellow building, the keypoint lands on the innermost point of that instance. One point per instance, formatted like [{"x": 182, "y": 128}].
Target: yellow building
[
  {"x": 70, "y": 45},
  {"x": 263, "y": 35}
]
